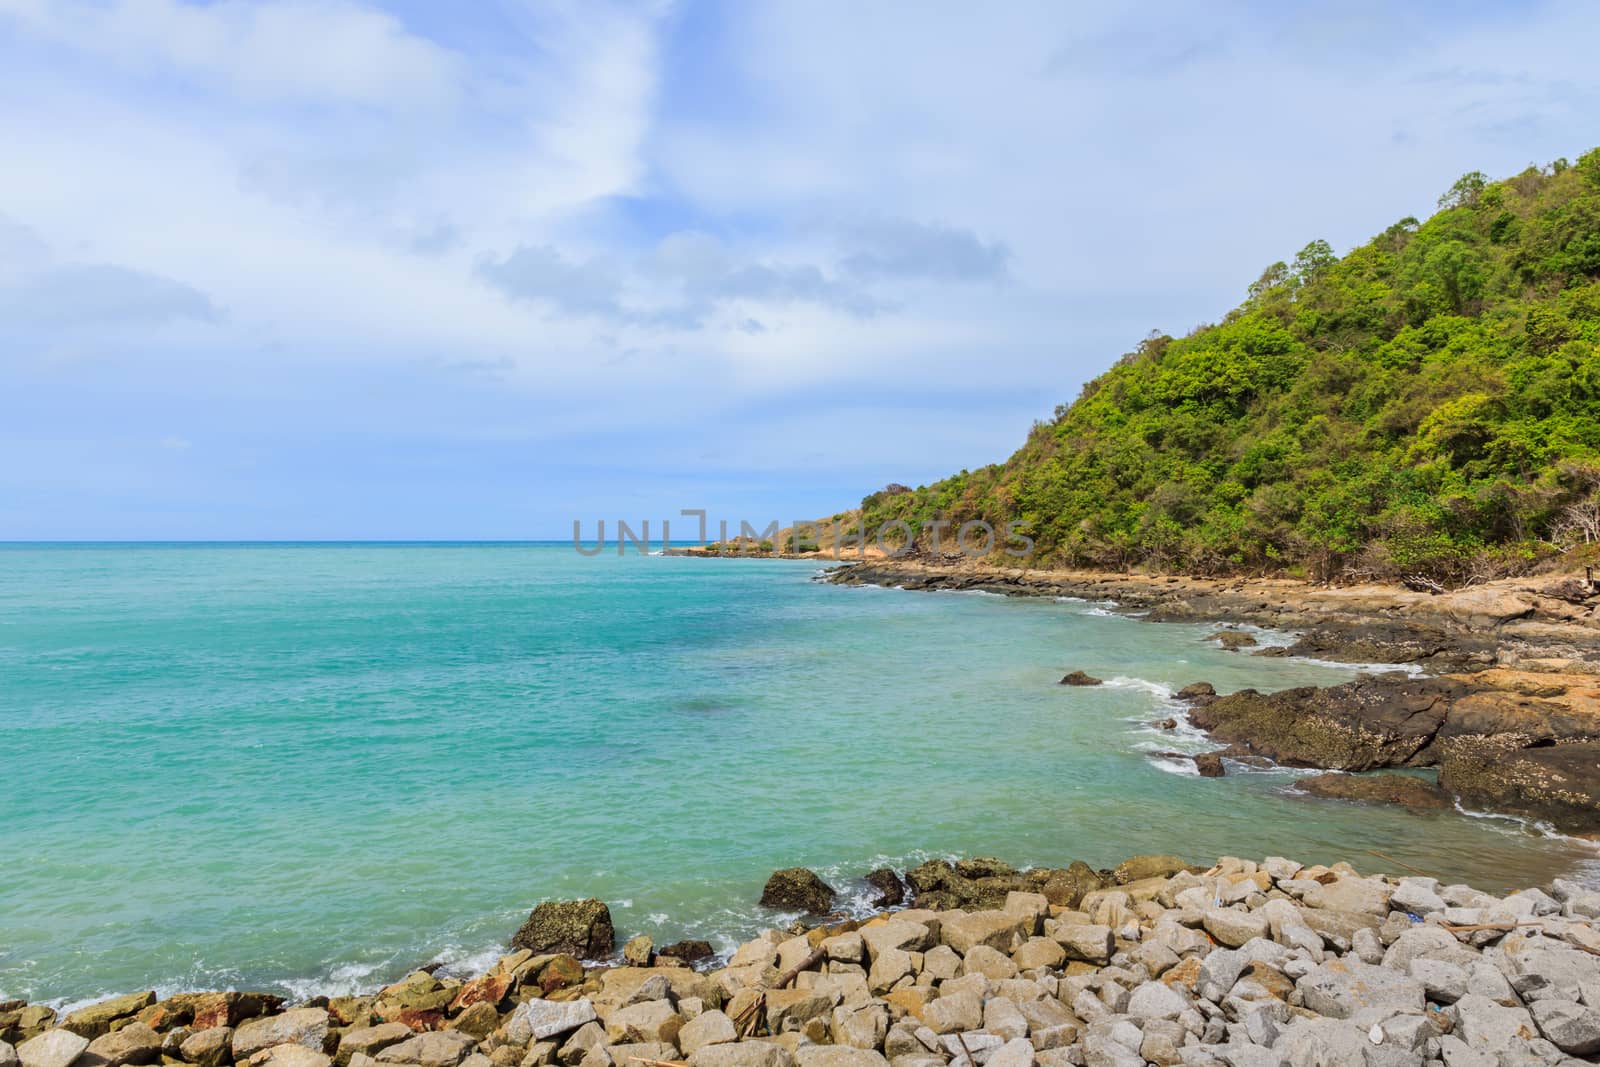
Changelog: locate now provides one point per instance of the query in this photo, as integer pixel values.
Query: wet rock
(891, 890)
(1149, 865)
(1196, 691)
(1209, 764)
(579, 928)
(1357, 726)
(1233, 640)
(1403, 789)
(687, 951)
(639, 951)
(1558, 783)
(1080, 678)
(798, 889)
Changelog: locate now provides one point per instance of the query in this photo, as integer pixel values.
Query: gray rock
(1483, 1024)
(53, 1048)
(1218, 972)
(1233, 928)
(1570, 1027)
(307, 1027)
(1014, 1053)
(578, 1044)
(1156, 1000)
(535, 1020)
(1341, 987)
(1419, 896)
(1442, 981)
(980, 1045)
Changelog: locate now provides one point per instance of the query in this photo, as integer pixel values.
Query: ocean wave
(1143, 685)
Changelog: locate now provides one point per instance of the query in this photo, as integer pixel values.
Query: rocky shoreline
(1242, 963)
(1508, 710)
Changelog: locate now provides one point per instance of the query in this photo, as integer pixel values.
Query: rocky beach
(1495, 686)
(971, 964)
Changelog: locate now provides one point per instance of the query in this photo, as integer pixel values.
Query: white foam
(1143, 685)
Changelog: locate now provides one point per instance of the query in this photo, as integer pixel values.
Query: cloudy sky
(342, 269)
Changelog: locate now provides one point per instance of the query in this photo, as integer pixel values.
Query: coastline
(969, 963)
(1500, 692)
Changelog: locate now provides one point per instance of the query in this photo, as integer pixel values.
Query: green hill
(1427, 405)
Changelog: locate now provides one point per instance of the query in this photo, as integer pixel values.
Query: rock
(743, 1054)
(838, 1056)
(1559, 783)
(1403, 789)
(1232, 640)
(1195, 691)
(1233, 928)
(210, 1047)
(299, 1026)
(1088, 942)
(1572, 1028)
(290, 1056)
(707, 1028)
(1485, 1025)
(1156, 1000)
(1066, 887)
(491, 989)
(580, 928)
(1138, 868)
(1000, 930)
(791, 1009)
(134, 1043)
(1442, 981)
(687, 951)
(1039, 952)
(639, 951)
(53, 1048)
(954, 1013)
(1340, 988)
(442, 1048)
(535, 1020)
(477, 1020)
(1079, 678)
(891, 890)
(8, 1055)
(1360, 895)
(97, 1019)
(651, 1020)
(1360, 725)
(797, 889)
(1209, 764)
(370, 1040)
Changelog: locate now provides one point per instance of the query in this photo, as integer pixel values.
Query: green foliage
(1408, 408)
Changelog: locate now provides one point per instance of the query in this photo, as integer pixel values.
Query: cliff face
(1426, 405)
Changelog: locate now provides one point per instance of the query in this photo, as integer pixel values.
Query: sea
(312, 768)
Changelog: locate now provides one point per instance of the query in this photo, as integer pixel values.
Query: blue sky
(294, 269)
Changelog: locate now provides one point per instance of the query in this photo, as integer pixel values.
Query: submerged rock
(1080, 678)
(1403, 789)
(891, 890)
(578, 927)
(798, 889)
(1559, 783)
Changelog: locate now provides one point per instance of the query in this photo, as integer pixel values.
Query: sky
(336, 269)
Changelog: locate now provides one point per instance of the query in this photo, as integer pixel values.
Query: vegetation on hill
(1427, 406)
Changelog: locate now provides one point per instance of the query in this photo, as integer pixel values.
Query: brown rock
(1557, 783)
(1080, 678)
(1403, 789)
(687, 951)
(891, 891)
(797, 889)
(578, 927)
(1209, 764)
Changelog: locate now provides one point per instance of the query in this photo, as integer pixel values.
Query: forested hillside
(1428, 405)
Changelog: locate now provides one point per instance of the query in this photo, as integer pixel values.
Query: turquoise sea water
(312, 768)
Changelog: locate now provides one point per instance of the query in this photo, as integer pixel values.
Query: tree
(1466, 190)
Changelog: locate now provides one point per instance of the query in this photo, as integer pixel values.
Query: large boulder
(798, 889)
(1558, 783)
(891, 890)
(1403, 789)
(1357, 726)
(134, 1043)
(580, 928)
(1138, 868)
